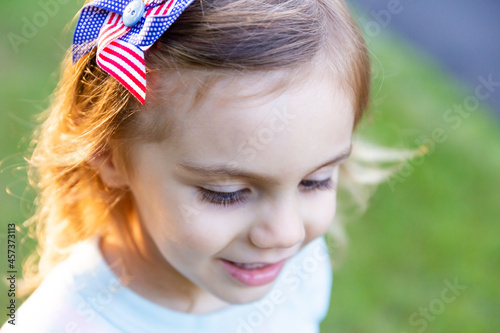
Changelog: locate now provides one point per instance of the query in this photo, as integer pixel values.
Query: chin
(244, 295)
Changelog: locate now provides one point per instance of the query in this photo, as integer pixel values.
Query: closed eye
(310, 185)
(223, 198)
(232, 198)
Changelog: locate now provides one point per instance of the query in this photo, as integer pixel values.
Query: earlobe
(106, 166)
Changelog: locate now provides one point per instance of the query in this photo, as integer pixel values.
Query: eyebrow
(229, 171)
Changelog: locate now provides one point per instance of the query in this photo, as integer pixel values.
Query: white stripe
(115, 19)
(126, 55)
(111, 34)
(134, 49)
(138, 91)
(126, 67)
(105, 30)
(145, 48)
(111, 31)
(165, 5)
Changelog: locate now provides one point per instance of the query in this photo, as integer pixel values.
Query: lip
(254, 277)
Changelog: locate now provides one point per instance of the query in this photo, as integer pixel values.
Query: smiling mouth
(253, 274)
(249, 266)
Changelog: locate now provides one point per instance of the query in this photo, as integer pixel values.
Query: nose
(278, 225)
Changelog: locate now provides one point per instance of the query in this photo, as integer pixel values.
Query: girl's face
(241, 185)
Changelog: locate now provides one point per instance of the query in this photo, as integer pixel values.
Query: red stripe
(131, 52)
(160, 10)
(165, 9)
(125, 84)
(148, 12)
(111, 32)
(110, 18)
(128, 62)
(123, 71)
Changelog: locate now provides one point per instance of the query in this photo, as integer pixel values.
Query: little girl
(188, 167)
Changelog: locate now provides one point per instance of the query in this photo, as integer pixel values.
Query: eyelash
(326, 184)
(222, 198)
(232, 198)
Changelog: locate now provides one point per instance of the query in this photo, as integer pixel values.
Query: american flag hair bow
(122, 30)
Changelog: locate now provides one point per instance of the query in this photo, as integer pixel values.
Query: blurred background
(425, 257)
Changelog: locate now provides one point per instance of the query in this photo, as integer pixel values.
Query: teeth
(249, 266)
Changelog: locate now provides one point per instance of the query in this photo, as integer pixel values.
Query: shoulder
(58, 305)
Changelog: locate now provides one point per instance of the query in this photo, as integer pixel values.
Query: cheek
(180, 225)
(212, 229)
(175, 218)
(322, 214)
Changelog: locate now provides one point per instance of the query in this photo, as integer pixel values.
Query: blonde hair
(90, 108)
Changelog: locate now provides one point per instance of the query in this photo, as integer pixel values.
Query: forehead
(245, 122)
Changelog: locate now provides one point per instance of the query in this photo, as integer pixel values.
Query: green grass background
(440, 223)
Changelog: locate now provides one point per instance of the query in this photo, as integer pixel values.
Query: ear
(105, 165)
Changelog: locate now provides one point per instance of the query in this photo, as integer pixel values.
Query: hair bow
(122, 31)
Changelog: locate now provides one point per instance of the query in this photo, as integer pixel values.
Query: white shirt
(83, 295)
